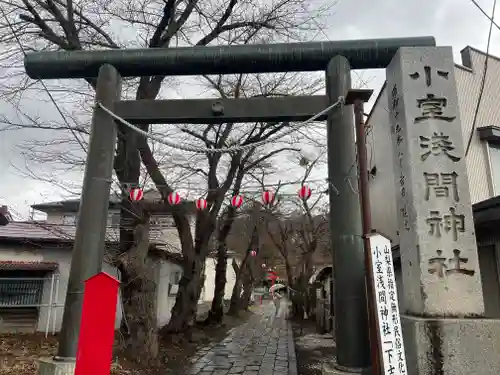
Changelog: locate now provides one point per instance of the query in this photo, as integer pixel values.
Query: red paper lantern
(136, 194)
(201, 204)
(267, 197)
(253, 253)
(174, 198)
(237, 201)
(305, 192)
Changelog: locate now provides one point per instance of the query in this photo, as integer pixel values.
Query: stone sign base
(451, 346)
(47, 366)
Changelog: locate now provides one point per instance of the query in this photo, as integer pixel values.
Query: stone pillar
(351, 318)
(438, 246)
(440, 267)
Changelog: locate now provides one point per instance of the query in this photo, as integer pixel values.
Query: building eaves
(73, 205)
(9, 265)
(42, 232)
(467, 49)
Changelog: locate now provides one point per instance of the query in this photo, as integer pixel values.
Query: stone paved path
(263, 345)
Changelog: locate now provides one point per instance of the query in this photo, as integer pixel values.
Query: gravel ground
(312, 349)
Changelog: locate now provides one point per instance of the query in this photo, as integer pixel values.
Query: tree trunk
(236, 295)
(216, 313)
(307, 273)
(186, 303)
(248, 284)
(139, 323)
(295, 297)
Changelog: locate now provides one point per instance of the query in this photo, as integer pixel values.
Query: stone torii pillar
(443, 305)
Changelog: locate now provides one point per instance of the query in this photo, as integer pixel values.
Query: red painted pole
(97, 329)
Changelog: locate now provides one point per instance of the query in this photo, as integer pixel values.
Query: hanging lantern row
(237, 201)
(174, 198)
(305, 192)
(201, 204)
(267, 197)
(136, 194)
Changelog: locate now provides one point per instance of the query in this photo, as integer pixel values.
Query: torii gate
(337, 58)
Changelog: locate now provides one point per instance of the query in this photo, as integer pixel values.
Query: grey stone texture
(440, 265)
(441, 314)
(451, 346)
(264, 345)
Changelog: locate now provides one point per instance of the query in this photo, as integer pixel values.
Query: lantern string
(202, 150)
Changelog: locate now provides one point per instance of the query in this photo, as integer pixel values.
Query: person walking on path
(277, 301)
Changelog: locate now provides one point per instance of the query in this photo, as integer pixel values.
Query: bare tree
(84, 25)
(244, 241)
(244, 238)
(297, 235)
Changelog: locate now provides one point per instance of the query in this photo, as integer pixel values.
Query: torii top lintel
(257, 58)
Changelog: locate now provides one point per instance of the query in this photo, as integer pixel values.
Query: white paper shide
(386, 298)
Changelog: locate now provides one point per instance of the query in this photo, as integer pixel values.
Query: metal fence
(39, 293)
(21, 292)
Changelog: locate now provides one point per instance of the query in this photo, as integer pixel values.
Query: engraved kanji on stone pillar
(440, 265)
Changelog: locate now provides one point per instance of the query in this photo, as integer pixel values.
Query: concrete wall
(380, 150)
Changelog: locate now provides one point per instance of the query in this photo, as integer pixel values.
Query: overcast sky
(452, 22)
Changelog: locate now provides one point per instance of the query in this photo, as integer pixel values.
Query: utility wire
(483, 79)
(485, 14)
(18, 41)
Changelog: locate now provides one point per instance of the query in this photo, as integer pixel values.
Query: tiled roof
(42, 231)
(36, 231)
(72, 205)
(6, 265)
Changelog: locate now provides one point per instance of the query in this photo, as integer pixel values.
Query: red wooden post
(97, 328)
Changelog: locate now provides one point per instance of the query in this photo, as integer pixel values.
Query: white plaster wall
(58, 217)
(52, 317)
(207, 293)
(382, 185)
(165, 301)
(63, 258)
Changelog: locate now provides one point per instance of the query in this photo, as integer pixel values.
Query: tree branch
(168, 14)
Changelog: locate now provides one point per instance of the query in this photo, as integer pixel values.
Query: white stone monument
(441, 278)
